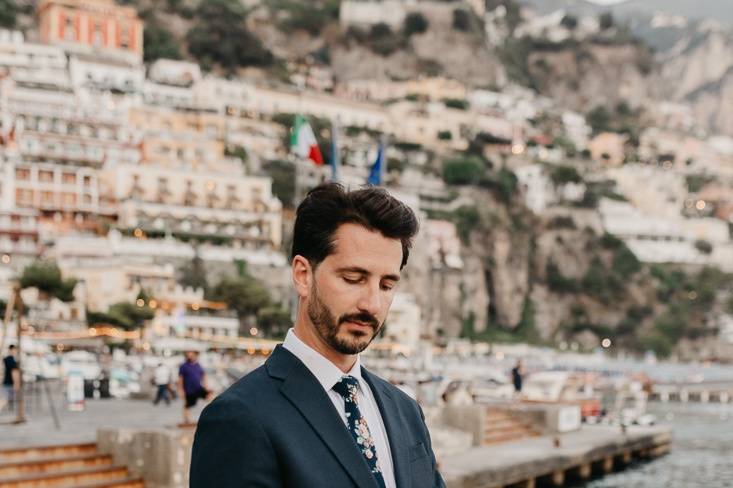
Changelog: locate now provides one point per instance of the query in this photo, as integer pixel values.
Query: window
(97, 39)
(124, 37)
(68, 178)
(45, 176)
(69, 30)
(22, 174)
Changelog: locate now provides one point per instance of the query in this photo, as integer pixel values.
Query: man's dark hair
(329, 205)
(11, 347)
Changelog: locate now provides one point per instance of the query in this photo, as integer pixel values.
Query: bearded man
(312, 416)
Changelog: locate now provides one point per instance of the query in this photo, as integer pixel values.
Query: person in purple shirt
(191, 383)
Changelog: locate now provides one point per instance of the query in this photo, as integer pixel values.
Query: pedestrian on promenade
(191, 383)
(11, 376)
(162, 379)
(312, 415)
(517, 375)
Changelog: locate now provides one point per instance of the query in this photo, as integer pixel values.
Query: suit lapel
(304, 391)
(393, 424)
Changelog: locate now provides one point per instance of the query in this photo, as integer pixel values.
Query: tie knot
(347, 387)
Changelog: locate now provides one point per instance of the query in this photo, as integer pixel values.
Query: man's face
(353, 288)
(191, 356)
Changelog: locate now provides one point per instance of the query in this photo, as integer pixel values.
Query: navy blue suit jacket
(277, 427)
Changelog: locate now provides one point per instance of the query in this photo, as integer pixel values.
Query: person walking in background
(162, 379)
(191, 383)
(517, 374)
(11, 377)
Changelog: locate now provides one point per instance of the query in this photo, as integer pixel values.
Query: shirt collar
(327, 373)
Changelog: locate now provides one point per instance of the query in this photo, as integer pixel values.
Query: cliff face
(582, 76)
(699, 71)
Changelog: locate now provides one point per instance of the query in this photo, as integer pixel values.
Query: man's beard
(328, 327)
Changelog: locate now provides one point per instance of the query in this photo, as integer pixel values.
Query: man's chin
(353, 342)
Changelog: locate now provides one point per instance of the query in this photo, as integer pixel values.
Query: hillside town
(147, 203)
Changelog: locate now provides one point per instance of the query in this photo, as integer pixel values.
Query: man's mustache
(363, 318)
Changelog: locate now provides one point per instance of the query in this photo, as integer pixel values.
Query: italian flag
(303, 141)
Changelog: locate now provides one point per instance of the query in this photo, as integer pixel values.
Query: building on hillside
(173, 72)
(102, 73)
(201, 205)
(607, 148)
(32, 64)
(404, 323)
(65, 197)
(435, 89)
(659, 239)
(365, 13)
(19, 233)
(89, 26)
(49, 314)
(535, 186)
(56, 126)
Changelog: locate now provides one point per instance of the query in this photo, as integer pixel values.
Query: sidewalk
(39, 428)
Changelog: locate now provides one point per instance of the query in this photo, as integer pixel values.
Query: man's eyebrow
(362, 271)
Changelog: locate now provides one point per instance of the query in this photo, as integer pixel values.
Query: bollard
(558, 478)
(608, 464)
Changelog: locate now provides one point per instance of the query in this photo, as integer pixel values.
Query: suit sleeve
(232, 450)
(438, 479)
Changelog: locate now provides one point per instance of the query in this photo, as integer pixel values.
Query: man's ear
(302, 275)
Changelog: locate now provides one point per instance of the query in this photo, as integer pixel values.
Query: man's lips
(360, 324)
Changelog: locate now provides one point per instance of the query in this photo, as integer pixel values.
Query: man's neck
(310, 337)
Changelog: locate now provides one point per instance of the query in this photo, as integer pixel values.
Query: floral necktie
(347, 387)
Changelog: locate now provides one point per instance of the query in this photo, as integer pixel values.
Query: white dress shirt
(328, 374)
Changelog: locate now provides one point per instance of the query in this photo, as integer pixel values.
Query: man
(11, 378)
(191, 384)
(162, 379)
(517, 374)
(312, 416)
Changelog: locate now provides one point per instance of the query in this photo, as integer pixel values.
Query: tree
(159, 43)
(703, 246)
(221, 37)
(244, 294)
(383, 41)
(599, 119)
(193, 274)
(461, 20)
(463, 171)
(46, 276)
(274, 320)
(8, 12)
(457, 103)
(570, 22)
(282, 173)
(605, 20)
(415, 23)
(128, 316)
(562, 175)
(309, 17)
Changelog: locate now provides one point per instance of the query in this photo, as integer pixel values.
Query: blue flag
(375, 174)
(334, 152)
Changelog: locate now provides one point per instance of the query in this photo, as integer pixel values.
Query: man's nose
(370, 300)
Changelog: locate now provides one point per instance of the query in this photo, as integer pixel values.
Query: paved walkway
(82, 426)
(492, 465)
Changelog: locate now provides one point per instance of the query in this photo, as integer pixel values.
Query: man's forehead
(357, 246)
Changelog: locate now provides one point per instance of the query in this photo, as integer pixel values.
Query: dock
(555, 460)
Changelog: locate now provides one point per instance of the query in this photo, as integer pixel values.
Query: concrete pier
(536, 461)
